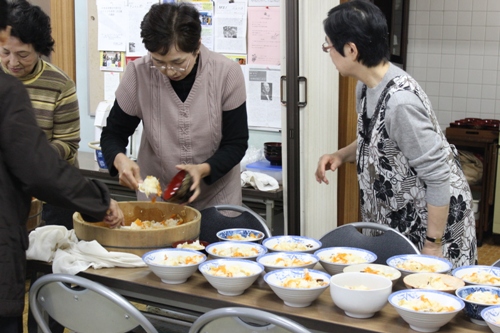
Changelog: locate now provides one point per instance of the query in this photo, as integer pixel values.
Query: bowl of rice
(291, 244)
(389, 272)
(231, 277)
(240, 235)
(239, 250)
(476, 299)
(491, 316)
(419, 263)
(335, 259)
(433, 281)
(297, 287)
(279, 260)
(478, 275)
(425, 310)
(173, 266)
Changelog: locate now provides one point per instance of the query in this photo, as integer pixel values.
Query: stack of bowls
(272, 152)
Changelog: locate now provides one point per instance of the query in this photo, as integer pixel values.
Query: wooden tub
(141, 241)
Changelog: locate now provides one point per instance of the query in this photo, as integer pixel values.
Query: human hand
(327, 162)
(128, 171)
(114, 217)
(432, 249)
(197, 172)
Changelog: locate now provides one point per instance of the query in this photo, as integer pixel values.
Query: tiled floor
(489, 252)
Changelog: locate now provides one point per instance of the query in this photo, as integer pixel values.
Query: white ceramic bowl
(481, 271)
(240, 235)
(422, 321)
(239, 250)
(172, 265)
(473, 309)
(235, 285)
(389, 272)
(346, 290)
(491, 316)
(280, 260)
(296, 297)
(424, 264)
(328, 255)
(433, 281)
(291, 244)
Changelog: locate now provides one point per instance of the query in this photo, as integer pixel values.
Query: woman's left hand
(197, 172)
(432, 249)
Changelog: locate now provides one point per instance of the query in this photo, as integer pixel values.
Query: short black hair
(362, 23)
(32, 26)
(4, 14)
(171, 24)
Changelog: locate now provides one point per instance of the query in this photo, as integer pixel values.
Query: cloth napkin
(60, 246)
(259, 181)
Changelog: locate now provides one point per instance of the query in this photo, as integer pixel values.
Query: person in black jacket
(30, 167)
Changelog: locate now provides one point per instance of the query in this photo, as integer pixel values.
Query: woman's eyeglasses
(326, 47)
(164, 68)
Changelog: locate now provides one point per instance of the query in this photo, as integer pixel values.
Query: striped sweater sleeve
(54, 99)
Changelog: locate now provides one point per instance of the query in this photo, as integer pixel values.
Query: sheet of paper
(264, 36)
(260, 3)
(111, 82)
(111, 21)
(263, 96)
(135, 12)
(206, 9)
(230, 24)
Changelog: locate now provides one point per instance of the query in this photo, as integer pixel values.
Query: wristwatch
(438, 240)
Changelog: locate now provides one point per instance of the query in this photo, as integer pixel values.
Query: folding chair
(212, 221)
(244, 320)
(84, 306)
(387, 243)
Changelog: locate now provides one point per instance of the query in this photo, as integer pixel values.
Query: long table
(197, 296)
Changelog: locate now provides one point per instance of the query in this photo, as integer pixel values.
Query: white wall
(454, 53)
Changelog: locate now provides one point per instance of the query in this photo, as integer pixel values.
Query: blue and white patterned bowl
(331, 267)
(296, 297)
(491, 316)
(426, 321)
(240, 235)
(238, 250)
(291, 244)
(464, 271)
(442, 265)
(231, 285)
(280, 260)
(173, 274)
(473, 309)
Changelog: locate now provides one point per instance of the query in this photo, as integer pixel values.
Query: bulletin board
(263, 112)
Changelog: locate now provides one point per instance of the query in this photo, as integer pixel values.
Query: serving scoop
(178, 190)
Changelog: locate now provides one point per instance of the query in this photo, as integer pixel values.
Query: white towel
(60, 246)
(259, 180)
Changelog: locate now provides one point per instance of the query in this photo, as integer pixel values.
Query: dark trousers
(11, 324)
(54, 215)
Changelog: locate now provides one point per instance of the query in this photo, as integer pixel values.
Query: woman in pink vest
(191, 102)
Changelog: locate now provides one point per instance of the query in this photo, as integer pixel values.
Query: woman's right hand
(129, 171)
(327, 162)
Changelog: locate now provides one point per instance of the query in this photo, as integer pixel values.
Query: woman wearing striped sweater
(52, 92)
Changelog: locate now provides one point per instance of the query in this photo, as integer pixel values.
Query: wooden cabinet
(485, 143)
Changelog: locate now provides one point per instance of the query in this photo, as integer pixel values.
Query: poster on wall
(135, 14)
(263, 96)
(264, 36)
(111, 18)
(230, 27)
